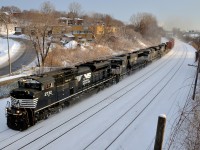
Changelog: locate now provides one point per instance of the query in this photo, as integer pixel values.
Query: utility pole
(9, 60)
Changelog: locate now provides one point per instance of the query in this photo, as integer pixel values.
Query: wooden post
(196, 79)
(160, 132)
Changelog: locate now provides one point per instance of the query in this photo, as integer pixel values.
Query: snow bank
(164, 40)
(71, 45)
(12, 77)
(22, 36)
(13, 46)
(3, 103)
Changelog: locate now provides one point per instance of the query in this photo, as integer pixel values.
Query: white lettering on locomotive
(79, 78)
(48, 93)
(86, 81)
(15, 102)
(86, 78)
(87, 75)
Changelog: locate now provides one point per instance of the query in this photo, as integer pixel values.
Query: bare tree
(10, 9)
(145, 24)
(4, 20)
(74, 10)
(185, 133)
(38, 30)
(47, 8)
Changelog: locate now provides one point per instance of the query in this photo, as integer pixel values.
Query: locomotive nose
(18, 115)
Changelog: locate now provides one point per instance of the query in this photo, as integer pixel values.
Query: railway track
(24, 136)
(93, 107)
(144, 108)
(139, 112)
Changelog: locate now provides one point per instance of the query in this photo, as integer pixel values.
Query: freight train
(39, 96)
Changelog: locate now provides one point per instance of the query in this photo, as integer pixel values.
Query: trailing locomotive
(39, 96)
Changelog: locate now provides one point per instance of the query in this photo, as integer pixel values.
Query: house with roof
(66, 38)
(82, 33)
(70, 21)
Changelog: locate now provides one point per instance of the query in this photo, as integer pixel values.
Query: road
(24, 57)
(123, 116)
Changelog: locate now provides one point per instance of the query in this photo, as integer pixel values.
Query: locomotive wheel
(23, 124)
(9, 123)
(60, 109)
(46, 116)
(67, 103)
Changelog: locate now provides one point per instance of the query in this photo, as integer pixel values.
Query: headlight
(7, 109)
(17, 111)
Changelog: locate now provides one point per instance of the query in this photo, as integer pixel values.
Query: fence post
(196, 78)
(160, 132)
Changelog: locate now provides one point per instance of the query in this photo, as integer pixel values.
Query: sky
(183, 14)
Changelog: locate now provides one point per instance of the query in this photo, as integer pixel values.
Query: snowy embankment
(16, 51)
(123, 116)
(13, 47)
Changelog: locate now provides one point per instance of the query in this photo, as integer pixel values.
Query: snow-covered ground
(123, 116)
(14, 48)
(71, 45)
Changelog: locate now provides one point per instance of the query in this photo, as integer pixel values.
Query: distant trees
(146, 24)
(107, 24)
(195, 42)
(47, 8)
(177, 32)
(74, 10)
(10, 9)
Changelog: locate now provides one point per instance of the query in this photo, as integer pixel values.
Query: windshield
(29, 83)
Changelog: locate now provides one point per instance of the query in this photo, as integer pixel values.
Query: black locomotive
(38, 96)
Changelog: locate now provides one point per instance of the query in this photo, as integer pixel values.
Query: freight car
(39, 96)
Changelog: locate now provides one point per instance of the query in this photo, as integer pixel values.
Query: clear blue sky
(184, 14)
